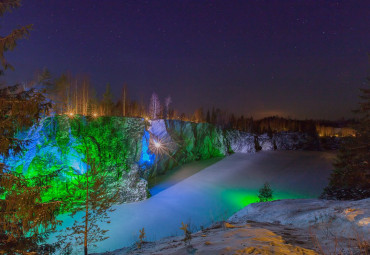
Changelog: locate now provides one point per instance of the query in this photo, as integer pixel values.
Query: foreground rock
(225, 238)
(301, 226)
(339, 227)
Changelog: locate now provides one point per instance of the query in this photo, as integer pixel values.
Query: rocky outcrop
(184, 142)
(133, 188)
(291, 226)
(60, 143)
(248, 143)
(283, 141)
(266, 143)
(241, 142)
(327, 221)
(295, 141)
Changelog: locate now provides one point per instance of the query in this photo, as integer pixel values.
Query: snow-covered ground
(294, 226)
(337, 227)
(217, 192)
(176, 175)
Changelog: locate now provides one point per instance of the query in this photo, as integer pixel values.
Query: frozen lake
(217, 192)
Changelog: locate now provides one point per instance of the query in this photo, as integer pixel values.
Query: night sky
(303, 59)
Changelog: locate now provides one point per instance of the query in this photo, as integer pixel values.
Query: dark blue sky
(302, 59)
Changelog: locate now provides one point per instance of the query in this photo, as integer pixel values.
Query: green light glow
(59, 146)
(239, 198)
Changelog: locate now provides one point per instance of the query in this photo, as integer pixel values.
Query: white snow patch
(334, 224)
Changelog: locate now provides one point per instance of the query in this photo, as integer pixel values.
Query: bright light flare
(157, 144)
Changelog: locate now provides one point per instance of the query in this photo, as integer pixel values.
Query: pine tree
(107, 101)
(124, 100)
(9, 42)
(208, 118)
(45, 80)
(25, 218)
(265, 193)
(213, 116)
(96, 200)
(198, 115)
(350, 178)
(61, 95)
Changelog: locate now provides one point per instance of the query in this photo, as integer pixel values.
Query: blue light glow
(147, 159)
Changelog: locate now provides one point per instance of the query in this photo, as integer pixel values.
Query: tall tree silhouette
(25, 220)
(350, 178)
(154, 106)
(107, 101)
(96, 200)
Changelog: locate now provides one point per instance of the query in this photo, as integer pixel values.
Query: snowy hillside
(298, 226)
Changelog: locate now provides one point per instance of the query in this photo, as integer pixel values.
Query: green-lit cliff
(130, 150)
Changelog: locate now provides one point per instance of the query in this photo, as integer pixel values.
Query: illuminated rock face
(185, 142)
(241, 141)
(133, 188)
(59, 144)
(122, 148)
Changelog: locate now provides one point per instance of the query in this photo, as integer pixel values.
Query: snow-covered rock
(229, 239)
(295, 141)
(239, 141)
(266, 143)
(133, 188)
(294, 226)
(328, 221)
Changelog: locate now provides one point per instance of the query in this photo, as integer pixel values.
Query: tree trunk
(86, 212)
(124, 101)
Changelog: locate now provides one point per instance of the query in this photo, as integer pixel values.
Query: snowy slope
(294, 226)
(337, 226)
(217, 192)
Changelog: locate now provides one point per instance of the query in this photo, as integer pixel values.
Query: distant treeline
(75, 95)
(276, 124)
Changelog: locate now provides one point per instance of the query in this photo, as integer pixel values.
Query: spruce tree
(208, 118)
(265, 193)
(9, 42)
(95, 201)
(350, 178)
(25, 218)
(107, 101)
